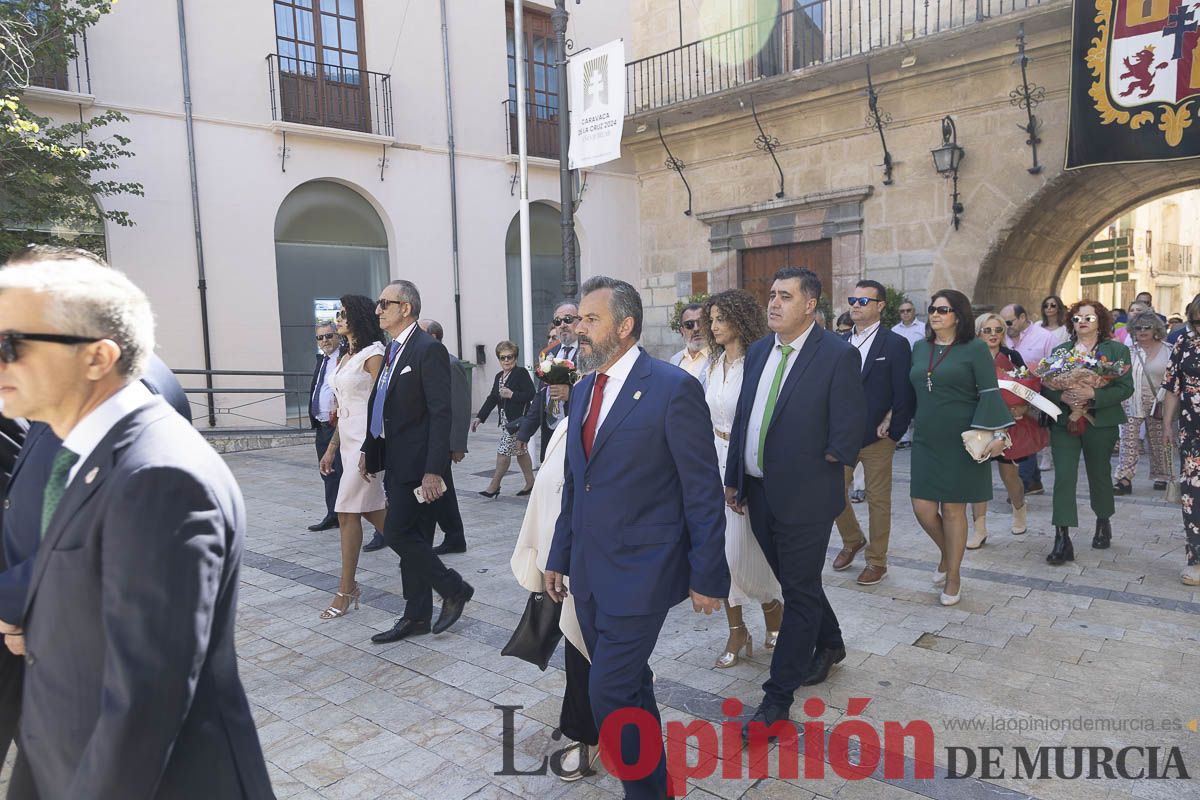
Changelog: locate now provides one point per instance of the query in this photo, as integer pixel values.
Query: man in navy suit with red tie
(642, 524)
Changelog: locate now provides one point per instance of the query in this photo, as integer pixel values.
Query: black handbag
(537, 633)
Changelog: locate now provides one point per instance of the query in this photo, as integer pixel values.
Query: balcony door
(321, 55)
(541, 84)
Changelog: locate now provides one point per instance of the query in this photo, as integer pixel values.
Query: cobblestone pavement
(1113, 636)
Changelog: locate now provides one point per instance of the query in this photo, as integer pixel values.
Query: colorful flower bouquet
(1070, 369)
(557, 372)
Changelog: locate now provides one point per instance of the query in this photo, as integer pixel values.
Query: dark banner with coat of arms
(1135, 81)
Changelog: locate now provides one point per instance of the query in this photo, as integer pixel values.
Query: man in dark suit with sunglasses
(320, 403)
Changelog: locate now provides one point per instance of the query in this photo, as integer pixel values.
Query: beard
(601, 352)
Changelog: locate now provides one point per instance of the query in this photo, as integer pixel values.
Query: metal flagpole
(523, 159)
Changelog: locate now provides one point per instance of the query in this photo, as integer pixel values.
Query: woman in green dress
(955, 383)
(1090, 327)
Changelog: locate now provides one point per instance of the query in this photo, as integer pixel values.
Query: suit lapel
(756, 361)
(91, 476)
(873, 352)
(803, 359)
(625, 401)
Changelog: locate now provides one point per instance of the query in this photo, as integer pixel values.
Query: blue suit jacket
(821, 411)
(643, 520)
(885, 381)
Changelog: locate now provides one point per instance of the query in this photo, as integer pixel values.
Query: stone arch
(330, 240)
(545, 234)
(1032, 255)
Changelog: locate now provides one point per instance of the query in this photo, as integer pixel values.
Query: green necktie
(772, 396)
(64, 459)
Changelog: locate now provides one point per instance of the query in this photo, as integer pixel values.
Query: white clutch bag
(977, 441)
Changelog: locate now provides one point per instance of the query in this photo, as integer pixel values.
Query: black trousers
(796, 553)
(12, 679)
(408, 530)
(449, 518)
(576, 720)
(331, 481)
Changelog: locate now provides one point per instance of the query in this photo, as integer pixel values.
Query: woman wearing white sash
(528, 563)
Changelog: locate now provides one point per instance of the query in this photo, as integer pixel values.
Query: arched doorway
(329, 241)
(1032, 255)
(545, 244)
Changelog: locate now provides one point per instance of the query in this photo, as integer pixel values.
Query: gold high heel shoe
(730, 657)
(773, 616)
(333, 612)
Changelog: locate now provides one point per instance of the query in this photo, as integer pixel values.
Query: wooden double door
(758, 265)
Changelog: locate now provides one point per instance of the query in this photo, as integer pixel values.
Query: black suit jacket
(416, 413)
(312, 387)
(885, 380)
(514, 407)
(821, 411)
(159, 379)
(131, 684)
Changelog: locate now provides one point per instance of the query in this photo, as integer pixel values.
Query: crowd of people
(718, 476)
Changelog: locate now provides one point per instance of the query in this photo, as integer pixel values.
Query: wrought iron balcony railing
(330, 96)
(73, 75)
(816, 32)
(541, 129)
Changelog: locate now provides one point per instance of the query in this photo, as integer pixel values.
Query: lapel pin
(637, 395)
(91, 476)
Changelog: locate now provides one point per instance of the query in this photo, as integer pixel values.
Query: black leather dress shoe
(328, 523)
(403, 629)
(766, 716)
(452, 608)
(445, 549)
(823, 661)
(376, 543)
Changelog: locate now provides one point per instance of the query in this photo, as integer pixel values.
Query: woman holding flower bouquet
(1087, 376)
(991, 330)
(512, 391)
(955, 383)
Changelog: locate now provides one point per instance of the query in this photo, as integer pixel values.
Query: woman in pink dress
(358, 497)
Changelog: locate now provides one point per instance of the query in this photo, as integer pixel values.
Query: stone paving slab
(1112, 639)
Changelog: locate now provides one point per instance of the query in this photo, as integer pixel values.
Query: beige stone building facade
(1020, 231)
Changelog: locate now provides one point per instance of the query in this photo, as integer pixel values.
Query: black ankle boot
(1063, 549)
(1103, 535)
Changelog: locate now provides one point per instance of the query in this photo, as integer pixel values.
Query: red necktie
(593, 418)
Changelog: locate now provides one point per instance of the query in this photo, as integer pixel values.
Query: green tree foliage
(683, 303)
(53, 175)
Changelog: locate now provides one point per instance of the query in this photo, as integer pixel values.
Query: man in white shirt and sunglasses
(693, 358)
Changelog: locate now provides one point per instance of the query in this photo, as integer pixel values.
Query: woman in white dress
(358, 497)
(733, 320)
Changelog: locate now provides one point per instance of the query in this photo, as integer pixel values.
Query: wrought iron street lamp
(946, 160)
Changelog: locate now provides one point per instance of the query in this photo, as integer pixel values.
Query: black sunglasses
(690, 325)
(1050, 305)
(941, 310)
(384, 304)
(908, 311)
(507, 357)
(325, 337)
(861, 302)
(567, 320)
(1143, 327)
(9, 340)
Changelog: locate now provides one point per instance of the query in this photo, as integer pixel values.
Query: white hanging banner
(597, 96)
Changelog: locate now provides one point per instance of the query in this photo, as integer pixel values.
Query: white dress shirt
(862, 342)
(324, 394)
(91, 430)
(617, 374)
(764, 389)
(914, 333)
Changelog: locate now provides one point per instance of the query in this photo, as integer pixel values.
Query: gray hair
(626, 302)
(1158, 327)
(434, 328)
(409, 294)
(86, 298)
(567, 302)
(327, 324)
